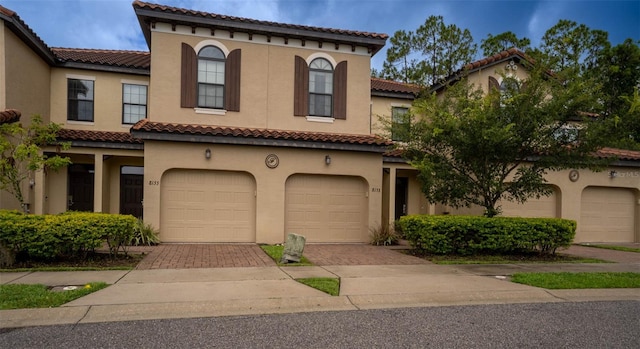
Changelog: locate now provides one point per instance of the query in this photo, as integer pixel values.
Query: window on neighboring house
(320, 87)
(80, 100)
(211, 64)
(134, 103)
(209, 80)
(400, 124)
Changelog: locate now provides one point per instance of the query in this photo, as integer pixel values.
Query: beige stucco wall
(381, 112)
(24, 85)
(270, 183)
(107, 113)
(267, 82)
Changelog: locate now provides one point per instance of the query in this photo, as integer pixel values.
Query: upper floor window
(134, 103)
(400, 123)
(211, 64)
(320, 87)
(80, 100)
(210, 82)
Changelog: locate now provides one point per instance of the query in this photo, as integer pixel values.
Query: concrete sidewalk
(186, 293)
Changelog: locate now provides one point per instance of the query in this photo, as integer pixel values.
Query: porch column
(39, 191)
(98, 181)
(392, 195)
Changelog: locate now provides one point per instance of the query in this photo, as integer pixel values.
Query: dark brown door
(131, 194)
(80, 193)
(402, 188)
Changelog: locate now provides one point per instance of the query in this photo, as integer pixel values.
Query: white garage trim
(607, 215)
(327, 208)
(207, 206)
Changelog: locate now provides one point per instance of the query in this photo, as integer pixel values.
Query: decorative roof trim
(148, 12)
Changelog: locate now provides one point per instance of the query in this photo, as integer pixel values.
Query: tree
(476, 148)
(435, 50)
(502, 42)
(21, 154)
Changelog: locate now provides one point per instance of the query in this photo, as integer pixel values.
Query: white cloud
(544, 17)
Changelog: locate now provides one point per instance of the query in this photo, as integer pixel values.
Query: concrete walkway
(206, 292)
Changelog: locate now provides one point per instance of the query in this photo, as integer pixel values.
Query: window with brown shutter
(301, 88)
(340, 91)
(232, 81)
(493, 83)
(189, 77)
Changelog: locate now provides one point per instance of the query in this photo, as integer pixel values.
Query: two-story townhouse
(605, 204)
(237, 130)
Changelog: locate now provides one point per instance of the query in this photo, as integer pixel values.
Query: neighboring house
(237, 130)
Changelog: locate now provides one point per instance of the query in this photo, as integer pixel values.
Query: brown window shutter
(301, 88)
(189, 78)
(340, 91)
(493, 84)
(232, 81)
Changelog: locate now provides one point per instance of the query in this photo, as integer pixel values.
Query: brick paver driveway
(181, 256)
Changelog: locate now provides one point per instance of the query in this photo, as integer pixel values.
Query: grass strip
(19, 296)
(614, 247)
(275, 252)
(327, 285)
(16, 270)
(566, 280)
(507, 259)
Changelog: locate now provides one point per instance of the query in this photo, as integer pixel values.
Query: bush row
(467, 235)
(70, 234)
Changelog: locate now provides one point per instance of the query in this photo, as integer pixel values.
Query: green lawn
(510, 259)
(275, 252)
(326, 285)
(18, 296)
(567, 280)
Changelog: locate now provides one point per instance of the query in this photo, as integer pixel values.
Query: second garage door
(606, 215)
(327, 208)
(207, 206)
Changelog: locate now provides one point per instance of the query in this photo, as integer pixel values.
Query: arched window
(320, 87)
(211, 78)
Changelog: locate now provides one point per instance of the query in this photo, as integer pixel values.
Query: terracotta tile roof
(512, 52)
(393, 86)
(9, 115)
(96, 136)
(208, 130)
(116, 58)
(247, 24)
(394, 153)
(620, 154)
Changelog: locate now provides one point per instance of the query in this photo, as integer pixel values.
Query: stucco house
(237, 130)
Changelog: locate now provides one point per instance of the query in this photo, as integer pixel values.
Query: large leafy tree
(477, 148)
(493, 44)
(21, 153)
(428, 55)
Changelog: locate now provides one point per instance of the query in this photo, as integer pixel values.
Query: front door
(402, 188)
(80, 188)
(131, 179)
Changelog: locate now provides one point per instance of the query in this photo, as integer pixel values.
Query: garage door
(606, 215)
(207, 206)
(327, 208)
(546, 207)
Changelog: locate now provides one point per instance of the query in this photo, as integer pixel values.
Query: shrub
(144, 234)
(468, 235)
(383, 235)
(70, 234)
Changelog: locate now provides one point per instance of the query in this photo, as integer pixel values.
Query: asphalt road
(547, 325)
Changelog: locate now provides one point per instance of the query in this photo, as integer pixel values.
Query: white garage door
(546, 207)
(606, 215)
(327, 208)
(207, 206)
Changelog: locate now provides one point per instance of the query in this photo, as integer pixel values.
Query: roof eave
(145, 16)
(105, 68)
(26, 35)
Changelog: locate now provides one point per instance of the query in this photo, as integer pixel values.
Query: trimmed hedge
(468, 235)
(70, 234)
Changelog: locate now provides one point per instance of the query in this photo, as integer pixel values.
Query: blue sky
(111, 24)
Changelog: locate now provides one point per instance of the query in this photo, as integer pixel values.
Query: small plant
(383, 235)
(144, 234)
